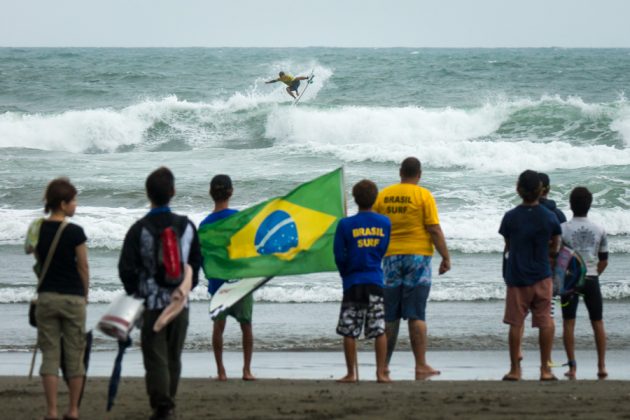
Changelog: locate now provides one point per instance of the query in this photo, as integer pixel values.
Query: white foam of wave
(621, 124)
(16, 294)
(106, 227)
(105, 130)
(616, 221)
(78, 131)
(482, 234)
(443, 137)
(302, 294)
(468, 293)
(97, 294)
(320, 294)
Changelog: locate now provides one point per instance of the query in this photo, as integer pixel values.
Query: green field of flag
(285, 235)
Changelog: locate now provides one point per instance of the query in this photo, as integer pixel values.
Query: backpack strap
(145, 223)
(180, 223)
(51, 251)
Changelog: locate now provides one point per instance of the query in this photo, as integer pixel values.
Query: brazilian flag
(293, 234)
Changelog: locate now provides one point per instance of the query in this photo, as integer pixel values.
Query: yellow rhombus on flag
(302, 228)
(293, 234)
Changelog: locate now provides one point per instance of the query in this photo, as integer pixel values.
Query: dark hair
(58, 191)
(410, 167)
(281, 73)
(544, 179)
(529, 186)
(221, 188)
(365, 193)
(160, 186)
(580, 200)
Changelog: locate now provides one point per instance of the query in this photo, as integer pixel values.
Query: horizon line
(321, 46)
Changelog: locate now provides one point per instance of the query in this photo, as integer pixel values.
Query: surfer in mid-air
(293, 83)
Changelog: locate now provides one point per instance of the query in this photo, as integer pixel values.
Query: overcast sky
(297, 23)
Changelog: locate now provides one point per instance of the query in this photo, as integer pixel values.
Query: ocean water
(475, 118)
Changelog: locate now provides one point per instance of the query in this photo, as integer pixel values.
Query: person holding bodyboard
(221, 191)
(589, 240)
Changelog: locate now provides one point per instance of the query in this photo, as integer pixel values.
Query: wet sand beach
(317, 399)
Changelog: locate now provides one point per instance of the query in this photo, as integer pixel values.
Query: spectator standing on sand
(221, 191)
(62, 296)
(589, 240)
(416, 232)
(360, 244)
(532, 237)
(139, 272)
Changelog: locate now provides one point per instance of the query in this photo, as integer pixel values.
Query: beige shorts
(519, 301)
(61, 318)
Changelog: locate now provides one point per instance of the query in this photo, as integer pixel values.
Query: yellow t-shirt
(410, 208)
(287, 79)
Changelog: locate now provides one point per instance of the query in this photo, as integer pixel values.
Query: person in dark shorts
(293, 83)
(589, 240)
(360, 244)
(532, 237)
(139, 273)
(221, 191)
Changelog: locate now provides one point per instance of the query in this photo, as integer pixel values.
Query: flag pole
(356, 361)
(343, 188)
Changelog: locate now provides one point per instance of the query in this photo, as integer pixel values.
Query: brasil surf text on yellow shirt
(410, 208)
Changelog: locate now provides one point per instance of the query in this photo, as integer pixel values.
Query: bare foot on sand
(221, 376)
(247, 376)
(383, 378)
(348, 379)
(602, 373)
(513, 375)
(547, 375)
(424, 372)
(572, 369)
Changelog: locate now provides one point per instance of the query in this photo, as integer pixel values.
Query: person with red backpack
(151, 266)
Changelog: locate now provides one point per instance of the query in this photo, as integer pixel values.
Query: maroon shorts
(519, 301)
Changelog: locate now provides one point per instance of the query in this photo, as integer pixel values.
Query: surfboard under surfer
(293, 83)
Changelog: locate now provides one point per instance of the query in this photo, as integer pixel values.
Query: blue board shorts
(295, 85)
(407, 286)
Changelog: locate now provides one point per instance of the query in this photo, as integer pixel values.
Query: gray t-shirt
(587, 238)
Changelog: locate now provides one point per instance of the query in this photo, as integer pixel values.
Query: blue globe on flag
(276, 234)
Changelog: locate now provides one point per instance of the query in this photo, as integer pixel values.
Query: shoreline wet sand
(317, 399)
